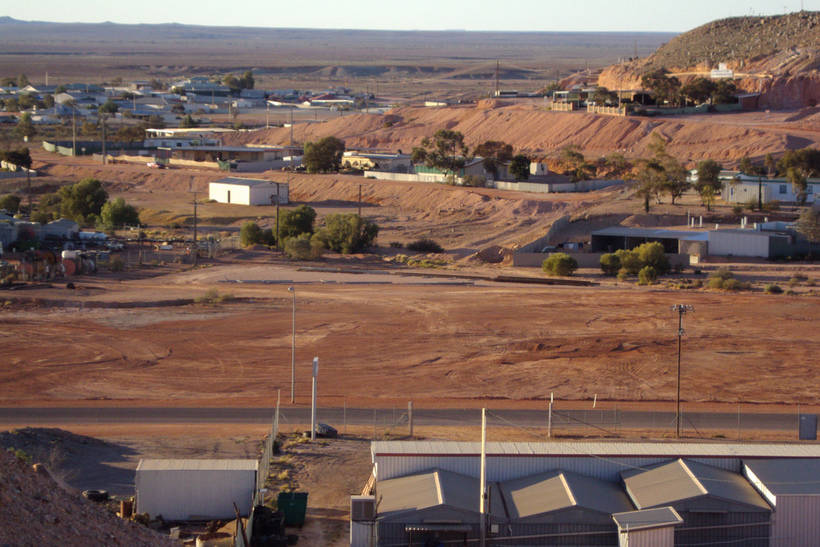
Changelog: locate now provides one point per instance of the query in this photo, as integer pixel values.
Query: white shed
(749, 243)
(647, 528)
(195, 489)
(248, 191)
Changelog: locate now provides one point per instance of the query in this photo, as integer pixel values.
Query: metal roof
(653, 233)
(557, 490)
(431, 489)
(681, 480)
(197, 465)
(238, 181)
(785, 477)
(596, 449)
(647, 518)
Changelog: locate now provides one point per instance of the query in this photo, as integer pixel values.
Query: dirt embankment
(537, 131)
(36, 511)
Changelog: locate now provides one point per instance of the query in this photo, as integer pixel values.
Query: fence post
(410, 416)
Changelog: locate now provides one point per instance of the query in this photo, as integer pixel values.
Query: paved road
(606, 420)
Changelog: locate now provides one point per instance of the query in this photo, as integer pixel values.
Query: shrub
(10, 203)
(116, 264)
(751, 204)
(630, 261)
(560, 264)
(610, 264)
(773, 289)
(294, 222)
(474, 180)
(651, 254)
(722, 274)
(623, 274)
(346, 233)
(303, 247)
(647, 275)
(397, 244)
(771, 205)
(212, 296)
(732, 285)
(250, 234)
(118, 213)
(737, 209)
(425, 245)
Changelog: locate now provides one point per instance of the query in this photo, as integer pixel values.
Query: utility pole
(291, 128)
(313, 399)
(759, 192)
(681, 309)
(483, 480)
(195, 246)
(103, 138)
(360, 201)
(276, 235)
(497, 71)
(292, 290)
(73, 131)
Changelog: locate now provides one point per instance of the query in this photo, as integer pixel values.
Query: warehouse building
(792, 487)
(613, 238)
(587, 493)
(559, 505)
(715, 504)
(244, 191)
(195, 489)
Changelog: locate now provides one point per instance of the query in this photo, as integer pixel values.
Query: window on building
(782, 188)
(810, 189)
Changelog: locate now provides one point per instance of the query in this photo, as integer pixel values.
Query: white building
(195, 489)
(248, 191)
(745, 188)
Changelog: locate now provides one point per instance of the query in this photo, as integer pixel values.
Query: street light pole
(293, 347)
(681, 309)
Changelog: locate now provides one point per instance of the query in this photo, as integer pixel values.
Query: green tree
(10, 203)
(250, 234)
(247, 81)
(770, 164)
(650, 181)
(82, 202)
(575, 164)
(25, 127)
(109, 107)
(629, 260)
(699, 90)
(647, 275)
(617, 165)
(652, 254)
(117, 213)
(610, 263)
(808, 225)
(22, 81)
(724, 93)
(806, 159)
(303, 247)
(799, 182)
(664, 87)
(560, 264)
(48, 101)
(323, 156)
(603, 96)
(520, 167)
(11, 104)
(446, 151)
(233, 83)
(493, 153)
(293, 222)
(346, 233)
(708, 174)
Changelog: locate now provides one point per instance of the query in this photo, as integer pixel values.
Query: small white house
(195, 489)
(244, 191)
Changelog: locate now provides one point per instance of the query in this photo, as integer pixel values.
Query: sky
(507, 15)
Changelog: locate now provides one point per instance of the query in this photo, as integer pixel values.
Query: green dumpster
(293, 505)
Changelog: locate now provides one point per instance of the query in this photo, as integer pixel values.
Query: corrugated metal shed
(793, 488)
(532, 496)
(195, 489)
(682, 480)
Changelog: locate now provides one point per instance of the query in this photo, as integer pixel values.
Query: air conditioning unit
(362, 508)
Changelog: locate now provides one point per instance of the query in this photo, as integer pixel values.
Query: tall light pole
(681, 309)
(293, 347)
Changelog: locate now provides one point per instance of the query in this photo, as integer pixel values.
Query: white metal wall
(362, 534)
(738, 244)
(238, 194)
(181, 495)
(796, 521)
(654, 537)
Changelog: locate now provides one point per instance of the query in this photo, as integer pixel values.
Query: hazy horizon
(425, 15)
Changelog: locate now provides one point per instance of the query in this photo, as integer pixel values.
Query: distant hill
(777, 56)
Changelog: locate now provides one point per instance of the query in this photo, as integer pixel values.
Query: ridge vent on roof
(693, 477)
(568, 489)
(439, 490)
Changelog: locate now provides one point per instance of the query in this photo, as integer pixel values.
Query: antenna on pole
(681, 309)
